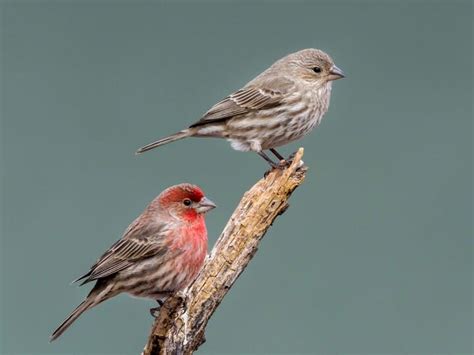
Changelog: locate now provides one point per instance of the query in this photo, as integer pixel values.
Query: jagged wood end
(177, 331)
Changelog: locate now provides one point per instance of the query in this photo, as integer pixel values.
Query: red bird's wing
(250, 98)
(137, 243)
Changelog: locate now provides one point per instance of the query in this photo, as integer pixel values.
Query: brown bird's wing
(138, 242)
(256, 95)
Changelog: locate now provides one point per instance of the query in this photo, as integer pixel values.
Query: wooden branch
(181, 332)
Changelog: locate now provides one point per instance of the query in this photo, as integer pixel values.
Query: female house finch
(161, 252)
(282, 104)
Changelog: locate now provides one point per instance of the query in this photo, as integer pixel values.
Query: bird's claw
(281, 165)
(284, 164)
(155, 311)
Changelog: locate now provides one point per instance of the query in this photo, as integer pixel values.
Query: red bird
(161, 252)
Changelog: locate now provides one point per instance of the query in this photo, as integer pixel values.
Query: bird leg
(278, 155)
(283, 163)
(267, 158)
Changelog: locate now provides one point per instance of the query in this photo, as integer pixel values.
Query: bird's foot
(155, 311)
(183, 298)
(281, 165)
(284, 164)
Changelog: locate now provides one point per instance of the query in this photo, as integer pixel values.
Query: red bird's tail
(174, 137)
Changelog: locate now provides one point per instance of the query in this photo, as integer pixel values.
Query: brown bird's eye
(187, 202)
(317, 69)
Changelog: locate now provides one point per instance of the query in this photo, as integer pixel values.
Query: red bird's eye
(187, 202)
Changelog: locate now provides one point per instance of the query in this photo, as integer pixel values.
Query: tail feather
(84, 306)
(174, 137)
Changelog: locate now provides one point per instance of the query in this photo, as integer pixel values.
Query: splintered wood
(177, 331)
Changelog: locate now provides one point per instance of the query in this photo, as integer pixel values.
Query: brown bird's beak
(335, 73)
(205, 205)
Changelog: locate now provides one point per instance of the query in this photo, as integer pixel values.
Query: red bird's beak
(205, 205)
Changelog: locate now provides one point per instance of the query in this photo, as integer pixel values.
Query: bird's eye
(317, 69)
(187, 202)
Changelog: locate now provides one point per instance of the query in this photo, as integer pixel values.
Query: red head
(185, 201)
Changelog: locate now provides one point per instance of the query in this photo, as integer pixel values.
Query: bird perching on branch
(160, 253)
(281, 105)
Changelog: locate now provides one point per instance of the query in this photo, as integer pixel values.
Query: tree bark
(180, 326)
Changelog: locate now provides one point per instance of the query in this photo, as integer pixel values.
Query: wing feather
(254, 96)
(138, 242)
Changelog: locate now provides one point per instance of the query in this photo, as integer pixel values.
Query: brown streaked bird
(281, 105)
(161, 252)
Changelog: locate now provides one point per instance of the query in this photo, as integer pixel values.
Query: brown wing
(138, 242)
(255, 96)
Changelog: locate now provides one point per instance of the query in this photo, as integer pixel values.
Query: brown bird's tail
(174, 137)
(84, 306)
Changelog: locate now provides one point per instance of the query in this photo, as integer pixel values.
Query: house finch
(161, 252)
(280, 105)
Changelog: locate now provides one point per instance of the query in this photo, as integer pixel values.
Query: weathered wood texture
(179, 332)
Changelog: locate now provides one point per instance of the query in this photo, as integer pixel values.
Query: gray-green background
(375, 253)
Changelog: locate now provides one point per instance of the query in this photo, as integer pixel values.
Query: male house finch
(161, 252)
(282, 104)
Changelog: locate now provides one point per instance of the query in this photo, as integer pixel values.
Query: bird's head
(184, 201)
(311, 65)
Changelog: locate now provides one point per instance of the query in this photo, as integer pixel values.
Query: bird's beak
(205, 205)
(335, 73)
